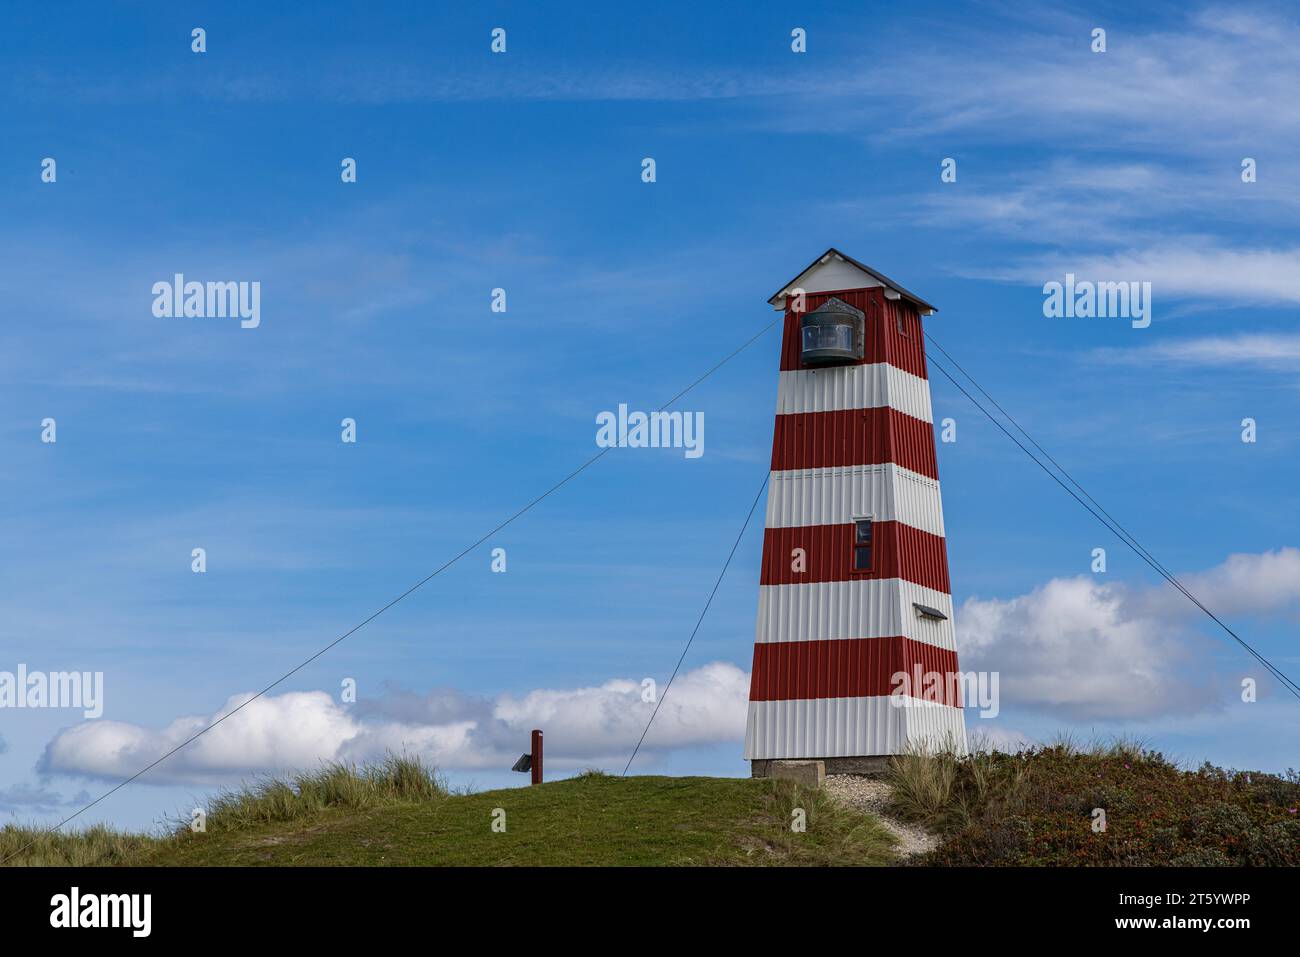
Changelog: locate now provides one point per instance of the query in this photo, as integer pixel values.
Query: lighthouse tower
(854, 585)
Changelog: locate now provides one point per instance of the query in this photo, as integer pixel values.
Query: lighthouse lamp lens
(838, 338)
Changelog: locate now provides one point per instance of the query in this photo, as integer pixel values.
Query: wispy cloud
(24, 798)
(1273, 351)
(377, 82)
(1223, 69)
(1103, 160)
(1195, 268)
(1102, 204)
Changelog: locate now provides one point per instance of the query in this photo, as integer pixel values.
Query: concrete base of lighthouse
(813, 771)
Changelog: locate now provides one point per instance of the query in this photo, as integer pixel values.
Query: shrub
(1037, 807)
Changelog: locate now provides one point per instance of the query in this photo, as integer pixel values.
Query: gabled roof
(834, 254)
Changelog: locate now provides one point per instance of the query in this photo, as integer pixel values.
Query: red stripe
(884, 343)
(897, 551)
(814, 440)
(850, 668)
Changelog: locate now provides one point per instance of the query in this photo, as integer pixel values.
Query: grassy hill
(344, 816)
(1038, 807)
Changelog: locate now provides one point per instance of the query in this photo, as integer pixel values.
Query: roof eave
(878, 276)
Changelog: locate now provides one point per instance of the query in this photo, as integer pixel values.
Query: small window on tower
(902, 326)
(862, 545)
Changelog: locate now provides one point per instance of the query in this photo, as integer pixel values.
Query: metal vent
(925, 611)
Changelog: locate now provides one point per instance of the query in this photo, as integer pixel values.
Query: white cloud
(274, 733)
(1249, 584)
(1278, 351)
(1077, 648)
(703, 706)
(1084, 649)
(1180, 270)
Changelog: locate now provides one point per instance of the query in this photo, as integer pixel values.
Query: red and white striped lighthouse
(854, 585)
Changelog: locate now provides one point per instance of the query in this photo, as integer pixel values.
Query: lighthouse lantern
(833, 333)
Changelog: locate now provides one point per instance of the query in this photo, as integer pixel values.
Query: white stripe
(873, 386)
(835, 496)
(867, 608)
(849, 727)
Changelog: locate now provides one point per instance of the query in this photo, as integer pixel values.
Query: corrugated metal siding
(850, 668)
(897, 551)
(864, 608)
(852, 441)
(853, 437)
(848, 727)
(888, 493)
(883, 343)
(853, 387)
(907, 349)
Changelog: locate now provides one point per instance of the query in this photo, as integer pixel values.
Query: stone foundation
(797, 768)
(809, 773)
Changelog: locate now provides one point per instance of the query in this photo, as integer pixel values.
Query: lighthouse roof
(833, 271)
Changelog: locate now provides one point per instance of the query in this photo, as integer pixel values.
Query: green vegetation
(399, 814)
(397, 781)
(1037, 808)
(91, 847)
(1031, 808)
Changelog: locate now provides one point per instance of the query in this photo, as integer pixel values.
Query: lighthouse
(855, 655)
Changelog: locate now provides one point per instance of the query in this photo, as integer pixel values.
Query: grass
(91, 847)
(1036, 807)
(396, 781)
(1039, 806)
(399, 814)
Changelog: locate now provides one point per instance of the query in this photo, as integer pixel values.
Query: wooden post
(537, 756)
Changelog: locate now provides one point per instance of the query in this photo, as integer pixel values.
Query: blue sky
(522, 171)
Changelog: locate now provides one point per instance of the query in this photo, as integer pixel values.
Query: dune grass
(398, 779)
(89, 847)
